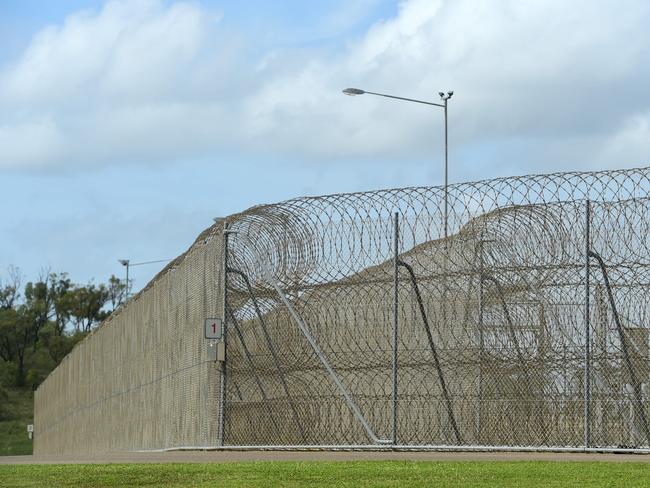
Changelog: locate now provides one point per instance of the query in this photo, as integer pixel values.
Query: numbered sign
(213, 328)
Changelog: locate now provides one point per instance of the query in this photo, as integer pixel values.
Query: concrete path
(252, 456)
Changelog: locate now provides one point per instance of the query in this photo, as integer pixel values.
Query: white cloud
(632, 140)
(133, 49)
(134, 81)
(540, 72)
(141, 80)
(30, 143)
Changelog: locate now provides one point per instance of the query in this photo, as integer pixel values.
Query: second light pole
(128, 264)
(445, 101)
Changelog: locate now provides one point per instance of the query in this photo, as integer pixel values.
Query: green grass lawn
(332, 474)
(13, 430)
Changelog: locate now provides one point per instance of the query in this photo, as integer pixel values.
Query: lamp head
(445, 96)
(353, 91)
(124, 262)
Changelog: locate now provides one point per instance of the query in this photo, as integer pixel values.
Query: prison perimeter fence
(508, 313)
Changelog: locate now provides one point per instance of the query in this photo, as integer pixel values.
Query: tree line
(41, 321)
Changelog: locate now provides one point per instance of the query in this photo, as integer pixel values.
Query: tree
(86, 304)
(58, 345)
(17, 333)
(5, 414)
(116, 291)
(9, 334)
(58, 289)
(10, 292)
(39, 326)
(8, 321)
(37, 307)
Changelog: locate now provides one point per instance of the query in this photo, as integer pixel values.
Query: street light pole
(125, 263)
(445, 99)
(444, 105)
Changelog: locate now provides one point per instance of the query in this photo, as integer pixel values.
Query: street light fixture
(128, 264)
(353, 91)
(445, 100)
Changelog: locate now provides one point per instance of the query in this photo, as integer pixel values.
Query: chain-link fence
(353, 319)
(517, 318)
(143, 379)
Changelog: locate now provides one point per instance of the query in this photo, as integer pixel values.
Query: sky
(127, 125)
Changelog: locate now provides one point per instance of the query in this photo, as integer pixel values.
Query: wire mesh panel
(492, 317)
(142, 380)
(519, 318)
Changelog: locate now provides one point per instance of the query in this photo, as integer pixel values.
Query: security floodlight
(446, 96)
(353, 91)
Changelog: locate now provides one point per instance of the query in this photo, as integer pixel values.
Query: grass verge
(13, 429)
(332, 474)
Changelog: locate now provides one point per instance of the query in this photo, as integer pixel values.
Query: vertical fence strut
(249, 358)
(434, 352)
(587, 373)
(636, 387)
(274, 354)
(481, 340)
(395, 319)
(314, 345)
(222, 376)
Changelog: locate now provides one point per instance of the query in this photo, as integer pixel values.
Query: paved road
(244, 456)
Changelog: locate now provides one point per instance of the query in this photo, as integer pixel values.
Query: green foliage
(18, 412)
(86, 304)
(14, 440)
(333, 474)
(5, 412)
(58, 345)
(18, 331)
(38, 328)
(116, 291)
(7, 373)
(41, 326)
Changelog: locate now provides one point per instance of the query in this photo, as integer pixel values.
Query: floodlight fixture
(353, 91)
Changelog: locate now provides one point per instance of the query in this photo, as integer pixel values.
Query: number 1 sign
(213, 328)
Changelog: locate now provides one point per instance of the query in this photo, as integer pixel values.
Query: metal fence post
(587, 372)
(222, 383)
(395, 318)
(481, 341)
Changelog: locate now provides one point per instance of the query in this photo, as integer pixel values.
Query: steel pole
(587, 352)
(395, 319)
(481, 340)
(127, 281)
(222, 369)
(446, 217)
(446, 221)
